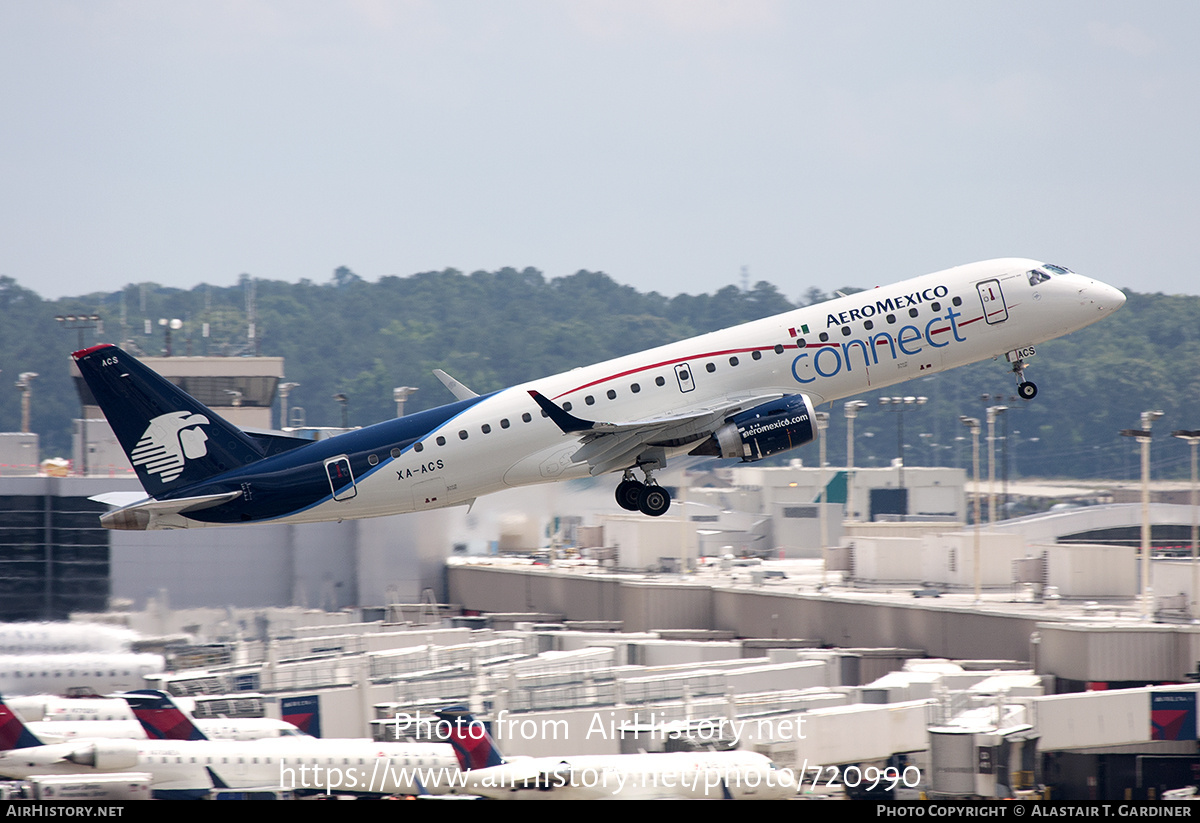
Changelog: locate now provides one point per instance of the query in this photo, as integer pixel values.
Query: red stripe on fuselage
(718, 354)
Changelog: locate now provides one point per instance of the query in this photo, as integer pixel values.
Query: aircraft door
(683, 373)
(341, 479)
(994, 308)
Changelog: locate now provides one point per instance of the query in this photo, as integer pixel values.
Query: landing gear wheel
(654, 501)
(629, 492)
(1027, 390)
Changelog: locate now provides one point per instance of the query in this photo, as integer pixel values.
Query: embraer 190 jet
(742, 393)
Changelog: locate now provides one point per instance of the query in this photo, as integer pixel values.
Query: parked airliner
(743, 393)
(704, 775)
(182, 763)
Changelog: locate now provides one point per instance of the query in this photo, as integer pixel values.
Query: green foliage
(496, 329)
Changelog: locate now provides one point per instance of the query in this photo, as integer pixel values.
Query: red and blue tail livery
(13, 734)
(470, 738)
(160, 717)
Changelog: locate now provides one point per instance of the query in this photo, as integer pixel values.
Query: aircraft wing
(608, 446)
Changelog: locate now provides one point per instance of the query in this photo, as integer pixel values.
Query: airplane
(746, 392)
(189, 766)
(126, 726)
(707, 775)
(96, 672)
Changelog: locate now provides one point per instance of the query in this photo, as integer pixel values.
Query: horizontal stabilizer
(119, 499)
(144, 514)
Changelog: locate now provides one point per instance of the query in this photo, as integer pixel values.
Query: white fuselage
(301, 763)
(862, 342)
(232, 728)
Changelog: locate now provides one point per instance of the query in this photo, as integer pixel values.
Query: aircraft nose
(1101, 297)
(1107, 298)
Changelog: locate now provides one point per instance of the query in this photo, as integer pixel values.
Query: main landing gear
(648, 498)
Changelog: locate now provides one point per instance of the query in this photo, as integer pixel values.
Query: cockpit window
(1057, 269)
(1037, 276)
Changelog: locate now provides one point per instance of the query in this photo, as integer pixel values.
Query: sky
(677, 145)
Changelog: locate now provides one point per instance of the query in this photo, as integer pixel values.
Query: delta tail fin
(160, 717)
(172, 439)
(472, 743)
(13, 732)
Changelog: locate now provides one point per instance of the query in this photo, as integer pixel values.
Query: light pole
(1142, 436)
(401, 394)
(25, 384)
(345, 401)
(1192, 438)
(851, 408)
(284, 390)
(972, 423)
(898, 405)
(822, 498)
(992, 411)
(81, 323)
(174, 324)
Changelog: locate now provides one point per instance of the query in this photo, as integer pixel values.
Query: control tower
(240, 389)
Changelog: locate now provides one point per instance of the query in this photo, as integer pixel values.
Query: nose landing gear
(1025, 389)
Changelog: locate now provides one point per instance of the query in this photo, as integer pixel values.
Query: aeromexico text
(830, 359)
(885, 306)
(506, 727)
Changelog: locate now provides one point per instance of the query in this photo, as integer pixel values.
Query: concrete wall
(830, 619)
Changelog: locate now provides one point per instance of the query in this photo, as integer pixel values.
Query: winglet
(456, 388)
(566, 421)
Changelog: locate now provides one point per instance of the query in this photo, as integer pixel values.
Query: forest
(494, 329)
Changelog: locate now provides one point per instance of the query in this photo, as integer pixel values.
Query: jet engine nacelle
(106, 755)
(764, 430)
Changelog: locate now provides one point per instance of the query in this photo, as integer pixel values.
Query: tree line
(495, 329)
